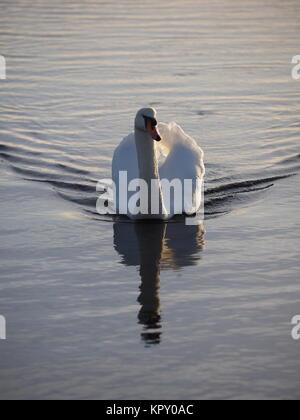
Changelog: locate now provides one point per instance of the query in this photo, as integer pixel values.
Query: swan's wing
(125, 159)
(183, 162)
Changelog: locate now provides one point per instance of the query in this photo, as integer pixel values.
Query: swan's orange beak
(152, 130)
(157, 136)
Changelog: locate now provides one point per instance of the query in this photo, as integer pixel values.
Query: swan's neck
(148, 165)
(148, 168)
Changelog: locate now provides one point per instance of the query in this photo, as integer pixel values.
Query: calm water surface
(100, 308)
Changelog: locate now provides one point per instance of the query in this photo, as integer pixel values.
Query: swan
(154, 155)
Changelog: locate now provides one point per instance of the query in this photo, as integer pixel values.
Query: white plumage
(177, 156)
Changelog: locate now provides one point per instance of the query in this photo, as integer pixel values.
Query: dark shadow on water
(154, 247)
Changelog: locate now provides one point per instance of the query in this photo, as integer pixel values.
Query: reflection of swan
(155, 246)
(176, 156)
(182, 245)
(150, 241)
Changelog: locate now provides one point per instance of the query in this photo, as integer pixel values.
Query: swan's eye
(153, 121)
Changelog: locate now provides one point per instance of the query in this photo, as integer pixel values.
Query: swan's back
(181, 158)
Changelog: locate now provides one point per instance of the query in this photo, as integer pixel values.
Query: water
(97, 308)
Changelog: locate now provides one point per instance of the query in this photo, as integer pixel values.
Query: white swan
(154, 153)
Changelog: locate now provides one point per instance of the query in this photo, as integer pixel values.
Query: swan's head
(146, 121)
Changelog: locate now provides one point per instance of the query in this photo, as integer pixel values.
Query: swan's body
(176, 157)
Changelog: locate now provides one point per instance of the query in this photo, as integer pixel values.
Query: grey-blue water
(97, 308)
